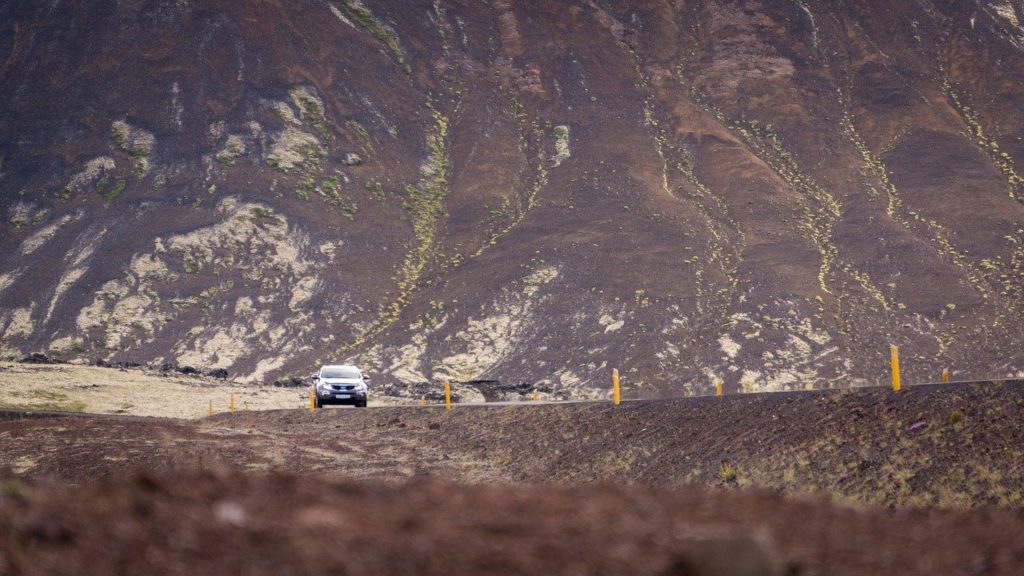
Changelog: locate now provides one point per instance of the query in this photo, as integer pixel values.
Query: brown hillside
(769, 192)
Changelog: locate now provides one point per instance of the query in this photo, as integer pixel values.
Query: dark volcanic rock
(38, 358)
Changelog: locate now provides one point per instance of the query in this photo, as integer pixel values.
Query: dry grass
(74, 388)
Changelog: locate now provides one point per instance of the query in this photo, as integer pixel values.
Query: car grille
(341, 388)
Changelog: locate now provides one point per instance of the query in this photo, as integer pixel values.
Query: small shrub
(118, 135)
(729, 473)
(375, 188)
(115, 191)
(955, 417)
(332, 186)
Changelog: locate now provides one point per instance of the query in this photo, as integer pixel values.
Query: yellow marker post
(616, 392)
(945, 375)
(312, 401)
(718, 388)
(447, 396)
(423, 400)
(895, 354)
(209, 410)
(231, 404)
(536, 396)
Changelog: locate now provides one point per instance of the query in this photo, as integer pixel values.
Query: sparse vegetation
(19, 216)
(819, 209)
(364, 137)
(424, 203)
(332, 186)
(1002, 160)
(375, 188)
(260, 213)
(955, 417)
(728, 473)
(233, 150)
(311, 110)
(52, 401)
(101, 184)
(294, 148)
(114, 191)
(358, 13)
(330, 189)
(908, 218)
(138, 143)
(513, 216)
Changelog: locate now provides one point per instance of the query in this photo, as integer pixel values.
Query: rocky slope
(767, 192)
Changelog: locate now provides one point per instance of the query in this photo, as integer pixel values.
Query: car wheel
(317, 402)
(361, 404)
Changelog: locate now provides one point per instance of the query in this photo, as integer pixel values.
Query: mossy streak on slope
(1011, 271)
(989, 145)
(425, 201)
(819, 212)
(311, 110)
(713, 210)
(365, 142)
(909, 219)
(355, 11)
(725, 254)
(818, 219)
(724, 236)
(425, 205)
(538, 181)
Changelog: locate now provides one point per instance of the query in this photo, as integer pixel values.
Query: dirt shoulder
(233, 523)
(954, 446)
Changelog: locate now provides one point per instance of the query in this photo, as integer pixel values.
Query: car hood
(346, 381)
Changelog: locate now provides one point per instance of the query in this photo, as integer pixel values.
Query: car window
(340, 373)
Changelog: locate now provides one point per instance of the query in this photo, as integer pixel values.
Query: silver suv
(340, 384)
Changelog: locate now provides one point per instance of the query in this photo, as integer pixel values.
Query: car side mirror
(366, 378)
(316, 376)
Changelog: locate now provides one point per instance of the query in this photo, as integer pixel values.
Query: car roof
(325, 366)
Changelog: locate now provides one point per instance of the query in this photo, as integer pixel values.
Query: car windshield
(340, 373)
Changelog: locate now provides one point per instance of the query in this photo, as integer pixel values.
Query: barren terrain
(955, 445)
(925, 481)
(514, 197)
